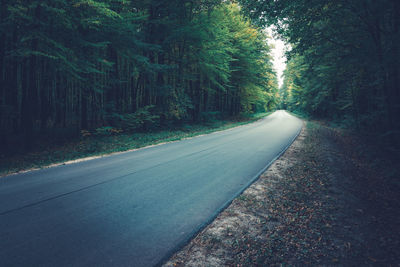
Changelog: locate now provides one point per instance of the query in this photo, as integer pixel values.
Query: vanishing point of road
(134, 208)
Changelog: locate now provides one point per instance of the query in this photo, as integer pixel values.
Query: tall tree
(83, 64)
(347, 53)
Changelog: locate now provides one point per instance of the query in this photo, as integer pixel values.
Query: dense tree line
(83, 64)
(344, 62)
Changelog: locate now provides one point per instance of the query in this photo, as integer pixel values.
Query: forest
(344, 61)
(68, 67)
(71, 67)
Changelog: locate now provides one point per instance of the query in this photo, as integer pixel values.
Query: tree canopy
(344, 62)
(66, 66)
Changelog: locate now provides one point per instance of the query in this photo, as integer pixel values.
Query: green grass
(47, 154)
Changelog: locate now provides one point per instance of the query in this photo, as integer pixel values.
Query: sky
(278, 55)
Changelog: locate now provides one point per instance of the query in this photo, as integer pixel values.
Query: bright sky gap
(278, 54)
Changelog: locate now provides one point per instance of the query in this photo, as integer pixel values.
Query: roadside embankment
(93, 144)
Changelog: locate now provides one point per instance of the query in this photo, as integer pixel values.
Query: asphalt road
(134, 208)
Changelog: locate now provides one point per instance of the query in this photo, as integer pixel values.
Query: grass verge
(49, 153)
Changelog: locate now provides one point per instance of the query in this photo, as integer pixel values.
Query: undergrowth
(96, 144)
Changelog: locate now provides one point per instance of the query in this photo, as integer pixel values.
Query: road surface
(134, 208)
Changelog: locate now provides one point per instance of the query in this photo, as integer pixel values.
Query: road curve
(134, 208)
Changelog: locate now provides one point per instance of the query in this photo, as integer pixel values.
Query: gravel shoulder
(321, 203)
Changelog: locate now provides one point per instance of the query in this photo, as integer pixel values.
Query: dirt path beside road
(320, 203)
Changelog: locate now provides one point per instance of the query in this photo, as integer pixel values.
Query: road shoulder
(312, 206)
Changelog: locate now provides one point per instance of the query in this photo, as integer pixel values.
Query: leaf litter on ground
(314, 206)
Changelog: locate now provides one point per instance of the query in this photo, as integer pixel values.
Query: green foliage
(92, 143)
(84, 64)
(142, 119)
(106, 131)
(344, 62)
(210, 116)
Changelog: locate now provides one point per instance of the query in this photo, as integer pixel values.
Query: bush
(142, 119)
(106, 131)
(210, 116)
